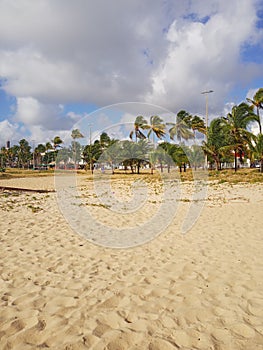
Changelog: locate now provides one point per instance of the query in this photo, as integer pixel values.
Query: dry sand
(202, 290)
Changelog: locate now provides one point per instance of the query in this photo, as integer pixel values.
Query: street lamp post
(206, 118)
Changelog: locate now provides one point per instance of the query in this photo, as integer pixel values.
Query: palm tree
(157, 128)
(236, 123)
(256, 146)
(195, 155)
(257, 102)
(76, 134)
(217, 141)
(39, 150)
(105, 140)
(49, 155)
(181, 129)
(56, 142)
(170, 150)
(24, 153)
(13, 155)
(3, 158)
(198, 124)
(140, 123)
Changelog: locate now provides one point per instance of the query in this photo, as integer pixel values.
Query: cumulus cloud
(8, 132)
(31, 112)
(56, 52)
(206, 56)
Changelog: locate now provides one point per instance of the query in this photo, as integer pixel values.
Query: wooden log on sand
(24, 189)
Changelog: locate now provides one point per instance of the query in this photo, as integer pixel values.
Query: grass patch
(34, 208)
(225, 175)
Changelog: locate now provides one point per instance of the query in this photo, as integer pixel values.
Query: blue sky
(162, 53)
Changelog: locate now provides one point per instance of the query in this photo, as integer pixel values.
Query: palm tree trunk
(261, 165)
(235, 161)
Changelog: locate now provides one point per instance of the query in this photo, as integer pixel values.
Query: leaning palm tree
(140, 123)
(198, 124)
(257, 102)
(236, 123)
(181, 129)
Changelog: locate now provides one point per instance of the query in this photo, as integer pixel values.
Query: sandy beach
(199, 290)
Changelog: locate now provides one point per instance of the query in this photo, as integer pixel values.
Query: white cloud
(56, 52)
(205, 56)
(31, 112)
(8, 132)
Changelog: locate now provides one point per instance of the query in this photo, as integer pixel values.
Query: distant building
(7, 144)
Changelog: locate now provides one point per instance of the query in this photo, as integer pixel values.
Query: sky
(97, 65)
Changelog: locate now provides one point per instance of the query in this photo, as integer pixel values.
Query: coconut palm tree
(38, 151)
(195, 155)
(56, 142)
(24, 154)
(3, 158)
(181, 129)
(156, 128)
(76, 134)
(256, 146)
(236, 124)
(140, 123)
(49, 150)
(217, 141)
(170, 150)
(13, 155)
(198, 124)
(257, 102)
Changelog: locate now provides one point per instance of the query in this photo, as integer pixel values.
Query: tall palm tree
(57, 141)
(236, 123)
(181, 129)
(257, 102)
(156, 127)
(140, 123)
(49, 155)
(76, 134)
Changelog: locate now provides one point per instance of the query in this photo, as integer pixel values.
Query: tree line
(228, 139)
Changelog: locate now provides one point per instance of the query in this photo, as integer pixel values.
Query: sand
(199, 290)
